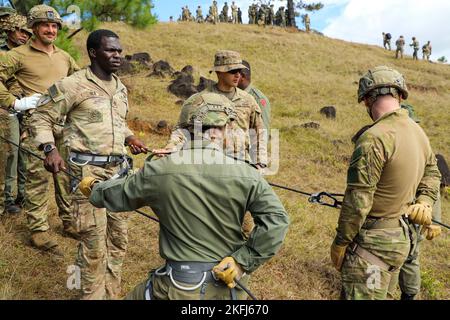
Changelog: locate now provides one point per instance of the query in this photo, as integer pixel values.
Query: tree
(135, 12)
(442, 59)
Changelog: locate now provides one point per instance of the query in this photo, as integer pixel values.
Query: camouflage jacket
(95, 120)
(400, 43)
(247, 139)
(415, 45)
(201, 206)
(392, 167)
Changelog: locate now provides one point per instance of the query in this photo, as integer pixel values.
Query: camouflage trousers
(387, 45)
(162, 288)
(410, 277)
(15, 166)
(104, 240)
(399, 53)
(37, 188)
(5, 149)
(362, 280)
(416, 54)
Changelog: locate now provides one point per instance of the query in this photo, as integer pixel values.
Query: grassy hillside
(300, 74)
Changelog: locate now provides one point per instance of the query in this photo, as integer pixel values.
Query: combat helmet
(383, 80)
(14, 21)
(207, 110)
(43, 13)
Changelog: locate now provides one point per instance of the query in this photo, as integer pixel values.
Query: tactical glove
(86, 185)
(337, 254)
(27, 103)
(420, 213)
(431, 231)
(228, 270)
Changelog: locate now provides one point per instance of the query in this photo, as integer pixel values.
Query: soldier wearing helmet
(393, 176)
(17, 34)
(16, 30)
(37, 65)
(200, 196)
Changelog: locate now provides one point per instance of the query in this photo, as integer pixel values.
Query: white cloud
(364, 21)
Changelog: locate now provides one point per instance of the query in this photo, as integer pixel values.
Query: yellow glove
(431, 231)
(228, 270)
(337, 254)
(86, 185)
(420, 213)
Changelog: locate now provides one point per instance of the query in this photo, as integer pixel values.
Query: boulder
(329, 112)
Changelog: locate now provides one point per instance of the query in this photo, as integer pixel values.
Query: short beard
(47, 42)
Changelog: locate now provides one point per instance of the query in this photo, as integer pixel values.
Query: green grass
(300, 73)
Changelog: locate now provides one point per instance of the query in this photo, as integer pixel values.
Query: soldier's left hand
(337, 254)
(431, 231)
(136, 145)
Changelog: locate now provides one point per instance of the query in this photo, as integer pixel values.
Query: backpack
(388, 36)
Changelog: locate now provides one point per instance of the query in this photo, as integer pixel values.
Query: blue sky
(360, 21)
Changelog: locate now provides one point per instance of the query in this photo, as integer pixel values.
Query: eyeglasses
(234, 71)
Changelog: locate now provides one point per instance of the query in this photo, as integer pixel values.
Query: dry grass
(300, 73)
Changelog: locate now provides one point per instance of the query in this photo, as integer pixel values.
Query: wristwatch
(49, 148)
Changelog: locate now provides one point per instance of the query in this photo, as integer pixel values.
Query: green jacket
(392, 167)
(201, 206)
(264, 105)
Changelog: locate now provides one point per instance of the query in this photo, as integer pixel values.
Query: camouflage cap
(382, 77)
(207, 109)
(226, 60)
(13, 22)
(43, 13)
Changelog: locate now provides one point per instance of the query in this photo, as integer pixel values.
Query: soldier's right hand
(420, 213)
(54, 163)
(162, 152)
(27, 103)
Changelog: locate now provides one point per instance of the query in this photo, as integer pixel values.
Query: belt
(381, 223)
(370, 257)
(83, 159)
(195, 273)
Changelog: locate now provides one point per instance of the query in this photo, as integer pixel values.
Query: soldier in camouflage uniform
(416, 46)
(201, 264)
(307, 22)
(18, 34)
(372, 240)
(199, 12)
(234, 13)
(225, 12)
(246, 139)
(36, 66)
(260, 98)
(252, 12)
(400, 43)
(94, 101)
(387, 41)
(426, 51)
(410, 277)
(215, 12)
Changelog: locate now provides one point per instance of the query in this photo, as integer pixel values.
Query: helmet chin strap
(369, 111)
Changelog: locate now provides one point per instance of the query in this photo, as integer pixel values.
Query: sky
(360, 21)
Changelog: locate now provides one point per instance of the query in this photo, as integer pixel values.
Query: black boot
(407, 296)
(12, 208)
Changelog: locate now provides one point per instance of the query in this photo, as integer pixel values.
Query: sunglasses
(234, 71)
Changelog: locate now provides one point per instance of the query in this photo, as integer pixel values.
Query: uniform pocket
(84, 217)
